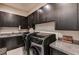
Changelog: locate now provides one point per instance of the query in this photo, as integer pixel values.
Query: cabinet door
(8, 20)
(36, 17)
(30, 20)
(78, 16)
(47, 13)
(11, 20)
(14, 42)
(40, 20)
(2, 43)
(43, 15)
(66, 16)
(56, 52)
(1, 21)
(14, 21)
(23, 22)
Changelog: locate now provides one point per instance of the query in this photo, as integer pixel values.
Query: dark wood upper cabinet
(30, 19)
(12, 20)
(35, 17)
(47, 13)
(23, 22)
(43, 15)
(66, 16)
(8, 20)
(78, 15)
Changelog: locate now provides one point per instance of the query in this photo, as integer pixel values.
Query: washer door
(35, 50)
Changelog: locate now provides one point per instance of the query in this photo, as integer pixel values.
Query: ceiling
(26, 7)
(23, 9)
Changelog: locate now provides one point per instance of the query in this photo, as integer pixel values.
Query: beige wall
(50, 27)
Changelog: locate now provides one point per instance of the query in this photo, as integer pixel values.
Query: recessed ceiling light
(10, 15)
(47, 7)
(40, 10)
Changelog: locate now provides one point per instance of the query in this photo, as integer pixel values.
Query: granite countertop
(4, 35)
(10, 35)
(71, 49)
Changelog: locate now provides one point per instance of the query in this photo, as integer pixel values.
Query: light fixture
(40, 10)
(10, 16)
(47, 7)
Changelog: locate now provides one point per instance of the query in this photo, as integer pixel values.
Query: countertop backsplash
(50, 27)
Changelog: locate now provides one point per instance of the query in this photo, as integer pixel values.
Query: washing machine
(27, 42)
(39, 43)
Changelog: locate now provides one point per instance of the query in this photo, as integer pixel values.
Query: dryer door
(35, 50)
